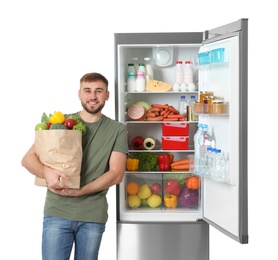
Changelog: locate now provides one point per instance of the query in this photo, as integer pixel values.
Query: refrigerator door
(225, 204)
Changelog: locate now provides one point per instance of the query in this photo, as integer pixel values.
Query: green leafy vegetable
(44, 118)
(147, 161)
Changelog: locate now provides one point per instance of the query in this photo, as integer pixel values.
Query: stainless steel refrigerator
(183, 232)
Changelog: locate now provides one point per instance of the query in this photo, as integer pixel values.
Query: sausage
(157, 118)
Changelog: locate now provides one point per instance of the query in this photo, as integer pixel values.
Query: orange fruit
(192, 183)
(132, 188)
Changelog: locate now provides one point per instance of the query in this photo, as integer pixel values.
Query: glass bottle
(140, 82)
(131, 82)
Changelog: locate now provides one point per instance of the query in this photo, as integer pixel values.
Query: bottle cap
(187, 62)
(178, 62)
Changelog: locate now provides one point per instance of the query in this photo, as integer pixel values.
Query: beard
(92, 110)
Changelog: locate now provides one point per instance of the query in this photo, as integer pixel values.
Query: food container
(175, 142)
(217, 55)
(219, 107)
(205, 94)
(198, 107)
(203, 58)
(175, 129)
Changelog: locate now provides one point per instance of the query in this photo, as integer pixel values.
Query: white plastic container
(179, 72)
(188, 72)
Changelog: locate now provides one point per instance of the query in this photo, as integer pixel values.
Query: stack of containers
(175, 136)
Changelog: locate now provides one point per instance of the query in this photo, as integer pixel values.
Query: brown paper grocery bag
(62, 150)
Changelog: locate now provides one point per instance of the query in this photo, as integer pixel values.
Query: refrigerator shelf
(164, 92)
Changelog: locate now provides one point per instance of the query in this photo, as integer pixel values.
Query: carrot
(181, 167)
(181, 161)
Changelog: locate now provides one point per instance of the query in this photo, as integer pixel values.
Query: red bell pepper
(164, 162)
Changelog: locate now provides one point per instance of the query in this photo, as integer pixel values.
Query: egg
(184, 87)
(191, 86)
(176, 87)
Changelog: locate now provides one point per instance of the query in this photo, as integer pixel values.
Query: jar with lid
(131, 82)
(140, 82)
(149, 68)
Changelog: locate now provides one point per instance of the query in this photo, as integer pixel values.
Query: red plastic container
(175, 129)
(175, 142)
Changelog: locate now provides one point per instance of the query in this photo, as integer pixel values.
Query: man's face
(93, 96)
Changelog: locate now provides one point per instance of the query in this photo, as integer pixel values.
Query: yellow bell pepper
(57, 118)
(132, 164)
(170, 200)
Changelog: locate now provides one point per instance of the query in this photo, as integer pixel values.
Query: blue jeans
(59, 235)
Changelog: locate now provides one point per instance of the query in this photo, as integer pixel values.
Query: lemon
(154, 200)
(133, 201)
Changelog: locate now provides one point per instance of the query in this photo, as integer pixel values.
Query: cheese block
(158, 86)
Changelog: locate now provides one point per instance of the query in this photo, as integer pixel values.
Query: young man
(78, 216)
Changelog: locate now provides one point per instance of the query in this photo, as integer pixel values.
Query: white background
(46, 46)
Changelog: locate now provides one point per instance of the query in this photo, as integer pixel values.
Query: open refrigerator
(219, 59)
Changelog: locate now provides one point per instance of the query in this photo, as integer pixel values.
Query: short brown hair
(94, 76)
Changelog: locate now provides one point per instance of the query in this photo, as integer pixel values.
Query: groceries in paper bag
(58, 144)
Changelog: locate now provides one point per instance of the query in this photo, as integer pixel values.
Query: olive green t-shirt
(101, 138)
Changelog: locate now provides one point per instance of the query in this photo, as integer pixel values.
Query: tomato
(48, 124)
(69, 123)
(41, 126)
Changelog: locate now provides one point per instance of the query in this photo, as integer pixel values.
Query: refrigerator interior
(146, 129)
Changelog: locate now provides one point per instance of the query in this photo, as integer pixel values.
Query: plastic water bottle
(149, 68)
(179, 72)
(140, 82)
(205, 141)
(188, 73)
(183, 106)
(131, 82)
(219, 163)
(207, 161)
(197, 148)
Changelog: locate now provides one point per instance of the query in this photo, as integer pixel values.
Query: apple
(70, 123)
(173, 187)
(156, 188)
(41, 126)
(48, 124)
